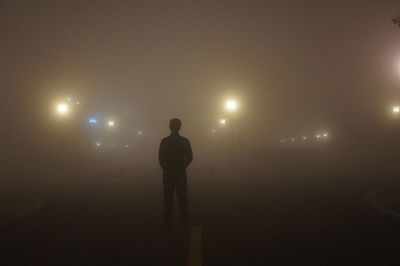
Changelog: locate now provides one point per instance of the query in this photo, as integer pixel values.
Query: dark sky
(296, 66)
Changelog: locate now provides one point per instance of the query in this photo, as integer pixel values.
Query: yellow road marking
(195, 248)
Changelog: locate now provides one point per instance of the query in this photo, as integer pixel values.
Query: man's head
(175, 125)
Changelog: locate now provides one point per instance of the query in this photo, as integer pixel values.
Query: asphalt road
(246, 219)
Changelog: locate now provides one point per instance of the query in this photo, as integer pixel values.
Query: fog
(316, 85)
(295, 68)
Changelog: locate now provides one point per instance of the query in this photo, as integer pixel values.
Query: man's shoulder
(183, 139)
(174, 139)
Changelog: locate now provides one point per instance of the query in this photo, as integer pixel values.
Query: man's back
(175, 152)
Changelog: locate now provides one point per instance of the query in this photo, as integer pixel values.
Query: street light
(231, 105)
(111, 123)
(63, 109)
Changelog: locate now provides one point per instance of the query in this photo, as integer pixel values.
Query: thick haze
(295, 66)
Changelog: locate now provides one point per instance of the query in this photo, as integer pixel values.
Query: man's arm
(189, 154)
(161, 155)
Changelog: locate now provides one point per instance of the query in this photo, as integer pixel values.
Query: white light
(222, 121)
(62, 108)
(325, 135)
(318, 136)
(92, 121)
(304, 138)
(231, 105)
(396, 109)
(77, 103)
(98, 144)
(69, 99)
(111, 123)
(140, 132)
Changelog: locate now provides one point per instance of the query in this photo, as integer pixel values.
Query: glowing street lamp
(231, 105)
(62, 109)
(111, 123)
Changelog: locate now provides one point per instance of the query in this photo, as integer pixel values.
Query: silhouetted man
(175, 155)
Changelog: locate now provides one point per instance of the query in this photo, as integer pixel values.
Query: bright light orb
(62, 108)
(318, 136)
(325, 135)
(98, 144)
(92, 121)
(231, 105)
(396, 109)
(304, 138)
(222, 121)
(111, 123)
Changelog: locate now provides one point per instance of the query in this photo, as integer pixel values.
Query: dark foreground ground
(247, 218)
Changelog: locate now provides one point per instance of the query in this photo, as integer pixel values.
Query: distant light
(62, 108)
(77, 103)
(318, 136)
(93, 121)
(325, 135)
(140, 132)
(231, 105)
(304, 138)
(126, 146)
(98, 144)
(222, 121)
(396, 109)
(69, 99)
(111, 123)
(293, 139)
